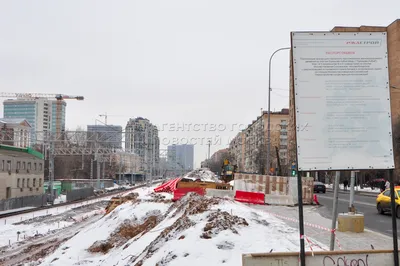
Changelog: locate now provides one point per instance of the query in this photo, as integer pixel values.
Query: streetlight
(269, 106)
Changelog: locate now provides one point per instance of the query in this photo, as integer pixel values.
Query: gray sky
(173, 62)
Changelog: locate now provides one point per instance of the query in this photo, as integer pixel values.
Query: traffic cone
(316, 199)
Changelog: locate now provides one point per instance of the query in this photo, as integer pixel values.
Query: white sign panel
(342, 101)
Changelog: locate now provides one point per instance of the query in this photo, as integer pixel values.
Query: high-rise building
(180, 157)
(108, 136)
(141, 138)
(40, 113)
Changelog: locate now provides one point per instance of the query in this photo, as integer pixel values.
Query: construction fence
(277, 189)
(79, 194)
(22, 202)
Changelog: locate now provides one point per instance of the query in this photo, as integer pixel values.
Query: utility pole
(120, 168)
(51, 167)
(335, 210)
(208, 159)
(269, 106)
(352, 183)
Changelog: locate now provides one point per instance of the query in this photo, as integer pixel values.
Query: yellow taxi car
(383, 201)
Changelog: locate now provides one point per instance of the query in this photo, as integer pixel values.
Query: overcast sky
(173, 62)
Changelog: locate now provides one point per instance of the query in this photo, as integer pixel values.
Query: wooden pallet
(204, 185)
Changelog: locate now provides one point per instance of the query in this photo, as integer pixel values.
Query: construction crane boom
(28, 95)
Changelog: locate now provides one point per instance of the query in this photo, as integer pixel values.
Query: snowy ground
(46, 230)
(151, 230)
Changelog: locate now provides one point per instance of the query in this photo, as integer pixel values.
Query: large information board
(342, 100)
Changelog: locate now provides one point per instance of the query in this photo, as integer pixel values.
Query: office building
(108, 136)
(141, 138)
(180, 157)
(40, 113)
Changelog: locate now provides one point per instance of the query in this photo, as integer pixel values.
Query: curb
(366, 194)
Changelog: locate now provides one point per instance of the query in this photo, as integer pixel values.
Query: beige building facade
(393, 37)
(251, 143)
(15, 132)
(21, 172)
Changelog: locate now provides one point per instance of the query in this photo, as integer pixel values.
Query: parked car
(319, 187)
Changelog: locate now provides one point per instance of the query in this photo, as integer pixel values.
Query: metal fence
(78, 194)
(22, 202)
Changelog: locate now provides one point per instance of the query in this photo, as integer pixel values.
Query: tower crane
(49, 96)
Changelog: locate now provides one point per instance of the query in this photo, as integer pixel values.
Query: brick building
(393, 40)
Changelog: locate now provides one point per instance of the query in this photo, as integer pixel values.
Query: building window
(23, 182)
(29, 166)
(28, 181)
(18, 165)
(35, 166)
(18, 182)
(34, 182)
(8, 165)
(40, 166)
(40, 182)
(2, 165)
(23, 165)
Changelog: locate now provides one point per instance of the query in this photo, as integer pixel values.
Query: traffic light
(293, 172)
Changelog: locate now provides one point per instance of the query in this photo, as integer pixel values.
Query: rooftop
(15, 121)
(16, 151)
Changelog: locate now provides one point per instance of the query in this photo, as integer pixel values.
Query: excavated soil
(220, 221)
(191, 204)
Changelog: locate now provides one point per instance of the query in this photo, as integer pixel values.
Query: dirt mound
(102, 246)
(128, 230)
(156, 197)
(192, 203)
(221, 220)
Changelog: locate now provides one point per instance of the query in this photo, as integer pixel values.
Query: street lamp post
(269, 106)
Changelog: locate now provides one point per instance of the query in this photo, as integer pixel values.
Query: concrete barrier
(321, 258)
(285, 200)
(220, 193)
(278, 190)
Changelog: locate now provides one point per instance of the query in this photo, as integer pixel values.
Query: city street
(363, 204)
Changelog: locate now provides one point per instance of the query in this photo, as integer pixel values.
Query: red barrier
(169, 186)
(316, 199)
(250, 197)
(180, 192)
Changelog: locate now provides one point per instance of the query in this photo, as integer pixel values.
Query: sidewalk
(317, 227)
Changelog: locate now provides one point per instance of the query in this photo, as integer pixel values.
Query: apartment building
(250, 146)
(141, 138)
(15, 132)
(21, 172)
(393, 38)
(40, 113)
(279, 135)
(237, 148)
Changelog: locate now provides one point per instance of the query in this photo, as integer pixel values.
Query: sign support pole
(335, 210)
(394, 219)
(301, 217)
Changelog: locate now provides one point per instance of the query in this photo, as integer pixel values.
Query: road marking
(344, 200)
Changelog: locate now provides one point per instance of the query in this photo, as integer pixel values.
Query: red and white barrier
(250, 197)
(168, 187)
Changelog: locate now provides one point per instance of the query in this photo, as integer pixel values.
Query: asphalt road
(364, 204)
